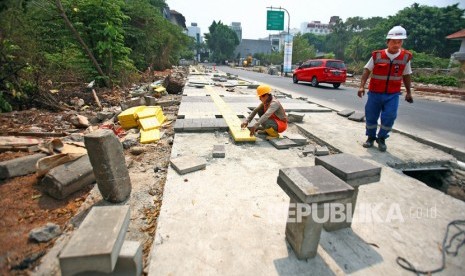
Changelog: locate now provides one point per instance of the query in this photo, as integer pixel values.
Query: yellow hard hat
(263, 89)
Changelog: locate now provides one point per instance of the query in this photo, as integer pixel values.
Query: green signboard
(275, 20)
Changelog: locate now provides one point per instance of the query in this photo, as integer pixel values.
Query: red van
(321, 71)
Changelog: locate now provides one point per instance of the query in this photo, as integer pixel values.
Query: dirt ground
(24, 206)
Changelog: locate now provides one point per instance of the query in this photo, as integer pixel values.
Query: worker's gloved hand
(244, 124)
(252, 131)
(409, 98)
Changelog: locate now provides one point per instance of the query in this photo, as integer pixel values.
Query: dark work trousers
(382, 105)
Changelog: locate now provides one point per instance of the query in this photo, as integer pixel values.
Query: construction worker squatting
(273, 118)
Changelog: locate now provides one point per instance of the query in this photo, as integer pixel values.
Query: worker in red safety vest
(389, 67)
(273, 118)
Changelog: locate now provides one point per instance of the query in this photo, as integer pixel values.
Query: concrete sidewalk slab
(231, 218)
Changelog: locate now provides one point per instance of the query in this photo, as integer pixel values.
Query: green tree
(318, 41)
(357, 49)
(338, 39)
(222, 41)
(301, 49)
(428, 26)
(155, 42)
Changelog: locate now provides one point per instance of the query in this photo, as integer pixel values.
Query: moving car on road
(319, 71)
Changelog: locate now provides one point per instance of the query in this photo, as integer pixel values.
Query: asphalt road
(438, 121)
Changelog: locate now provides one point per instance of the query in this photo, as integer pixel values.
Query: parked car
(319, 71)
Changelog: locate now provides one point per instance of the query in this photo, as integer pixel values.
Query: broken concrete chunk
(357, 116)
(346, 112)
(79, 121)
(45, 233)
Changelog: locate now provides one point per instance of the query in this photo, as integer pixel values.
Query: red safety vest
(387, 74)
(282, 124)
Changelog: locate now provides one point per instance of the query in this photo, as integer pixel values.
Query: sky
(252, 13)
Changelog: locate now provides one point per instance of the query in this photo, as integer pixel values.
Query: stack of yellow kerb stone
(148, 118)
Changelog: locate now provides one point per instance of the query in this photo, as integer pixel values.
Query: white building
(237, 28)
(194, 31)
(318, 28)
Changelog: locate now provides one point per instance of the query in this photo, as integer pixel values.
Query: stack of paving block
(148, 118)
(127, 119)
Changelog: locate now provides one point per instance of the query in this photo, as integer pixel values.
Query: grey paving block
(283, 143)
(97, 243)
(346, 112)
(297, 138)
(294, 117)
(351, 169)
(357, 116)
(178, 125)
(109, 166)
(129, 260)
(68, 178)
(219, 151)
(20, 166)
(313, 184)
(187, 164)
(321, 150)
(310, 149)
(192, 125)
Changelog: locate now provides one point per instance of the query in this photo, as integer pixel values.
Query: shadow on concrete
(349, 251)
(293, 266)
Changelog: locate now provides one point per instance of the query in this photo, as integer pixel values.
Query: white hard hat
(397, 32)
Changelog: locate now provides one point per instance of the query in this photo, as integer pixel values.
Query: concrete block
(219, 151)
(321, 150)
(68, 178)
(303, 233)
(349, 168)
(314, 184)
(310, 149)
(354, 171)
(20, 166)
(283, 143)
(129, 259)
(132, 103)
(346, 112)
(150, 101)
(294, 117)
(97, 243)
(179, 125)
(297, 138)
(109, 166)
(187, 164)
(357, 116)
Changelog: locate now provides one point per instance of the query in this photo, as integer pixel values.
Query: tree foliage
(122, 35)
(222, 41)
(301, 49)
(427, 28)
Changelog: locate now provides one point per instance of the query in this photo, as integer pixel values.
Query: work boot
(369, 142)
(381, 144)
